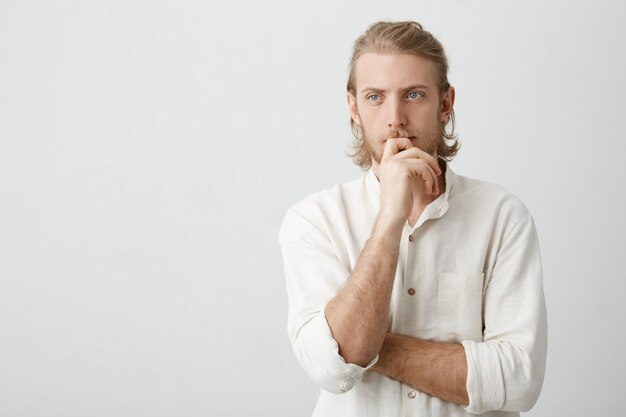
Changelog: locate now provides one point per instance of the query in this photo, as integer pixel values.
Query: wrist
(387, 225)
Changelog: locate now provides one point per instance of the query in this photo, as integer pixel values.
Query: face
(397, 95)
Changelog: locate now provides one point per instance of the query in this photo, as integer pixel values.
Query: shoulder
(313, 213)
(490, 197)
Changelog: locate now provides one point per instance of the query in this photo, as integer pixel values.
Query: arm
(503, 372)
(435, 368)
(314, 275)
(327, 302)
(358, 316)
(506, 369)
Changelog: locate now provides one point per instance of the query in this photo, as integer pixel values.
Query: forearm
(358, 315)
(437, 369)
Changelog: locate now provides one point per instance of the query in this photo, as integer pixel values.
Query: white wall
(148, 151)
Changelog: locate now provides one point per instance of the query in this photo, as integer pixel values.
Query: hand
(401, 166)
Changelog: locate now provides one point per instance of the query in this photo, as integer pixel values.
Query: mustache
(402, 133)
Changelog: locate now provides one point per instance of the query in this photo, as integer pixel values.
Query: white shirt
(469, 271)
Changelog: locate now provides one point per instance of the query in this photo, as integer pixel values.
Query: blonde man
(413, 290)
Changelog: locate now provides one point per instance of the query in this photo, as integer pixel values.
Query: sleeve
(314, 275)
(506, 370)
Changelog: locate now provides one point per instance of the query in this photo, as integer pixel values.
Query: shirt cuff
(484, 377)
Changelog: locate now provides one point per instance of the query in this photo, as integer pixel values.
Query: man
(413, 291)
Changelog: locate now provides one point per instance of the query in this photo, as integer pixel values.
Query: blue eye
(414, 94)
(373, 97)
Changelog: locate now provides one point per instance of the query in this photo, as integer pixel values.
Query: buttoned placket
(409, 296)
(410, 244)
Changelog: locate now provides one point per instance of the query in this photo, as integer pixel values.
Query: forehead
(389, 71)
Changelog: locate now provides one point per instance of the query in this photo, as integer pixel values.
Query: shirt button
(411, 291)
(411, 239)
(412, 394)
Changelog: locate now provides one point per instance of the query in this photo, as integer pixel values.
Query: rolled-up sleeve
(314, 275)
(506, 370)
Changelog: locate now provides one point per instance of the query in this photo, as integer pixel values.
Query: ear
(447, 104)
(354, 111)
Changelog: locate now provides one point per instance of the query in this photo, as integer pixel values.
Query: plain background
(149, 150)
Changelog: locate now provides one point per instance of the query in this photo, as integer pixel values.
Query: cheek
(369, 116)
(429, 118)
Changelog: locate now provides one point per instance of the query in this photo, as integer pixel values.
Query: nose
(396, 116)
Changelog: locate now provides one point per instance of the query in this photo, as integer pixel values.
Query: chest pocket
(459, 306)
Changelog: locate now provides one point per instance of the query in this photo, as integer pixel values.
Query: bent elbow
(531, 383)
(525, 405)
(530, 398)
(318, 353)
(339, 376)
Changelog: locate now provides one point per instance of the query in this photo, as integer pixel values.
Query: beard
(428, 141)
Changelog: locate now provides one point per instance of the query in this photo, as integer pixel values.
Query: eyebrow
(403, 89)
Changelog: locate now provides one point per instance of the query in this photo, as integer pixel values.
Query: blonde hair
(401, 37)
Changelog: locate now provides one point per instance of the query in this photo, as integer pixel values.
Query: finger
(395, 145)
(421, 169)
(416, 152)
